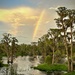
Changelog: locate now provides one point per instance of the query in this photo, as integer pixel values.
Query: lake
(24, 65)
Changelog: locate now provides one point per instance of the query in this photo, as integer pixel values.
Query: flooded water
(24, 65)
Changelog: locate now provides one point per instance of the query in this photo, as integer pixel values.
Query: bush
(51, 68)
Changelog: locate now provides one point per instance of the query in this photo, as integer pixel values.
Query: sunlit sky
(28, 20)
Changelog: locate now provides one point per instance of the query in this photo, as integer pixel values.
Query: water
(24, 65)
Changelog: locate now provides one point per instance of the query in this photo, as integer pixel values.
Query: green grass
(50, 68)
(5, 65)
(70, 73)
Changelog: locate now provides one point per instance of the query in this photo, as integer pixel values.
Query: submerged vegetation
(56, 47)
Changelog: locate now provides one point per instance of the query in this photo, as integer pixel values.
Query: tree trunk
(44, 54)
(69, 68)
(12, 58)
(8, 61)
(53, 57)
(33, 53)
(8, 57)
(12, 53)
(71, 52)
(66, 47)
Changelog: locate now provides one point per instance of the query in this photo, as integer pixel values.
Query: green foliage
(5, 65)
(58, 53)
(70, 73)
(48, 59)
(1, 64)
(51, 68)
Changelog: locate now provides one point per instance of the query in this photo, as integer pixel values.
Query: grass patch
(5, 65)
(70, 73)
(51, 68)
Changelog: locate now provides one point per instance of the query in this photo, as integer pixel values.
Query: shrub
(51, 68)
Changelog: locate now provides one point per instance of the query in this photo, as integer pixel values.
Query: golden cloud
(23, 16)
(18, 17)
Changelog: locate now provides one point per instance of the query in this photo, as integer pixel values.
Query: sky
(28, 20)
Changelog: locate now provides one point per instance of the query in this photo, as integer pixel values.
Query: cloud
(24, 16)
(54, 8)
(47, 22)
(18, 17)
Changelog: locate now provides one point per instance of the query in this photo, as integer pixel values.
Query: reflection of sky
(24, 66)
(20, 17)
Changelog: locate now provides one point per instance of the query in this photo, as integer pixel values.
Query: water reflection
(24, 65)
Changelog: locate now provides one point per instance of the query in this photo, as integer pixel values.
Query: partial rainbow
(38, 23)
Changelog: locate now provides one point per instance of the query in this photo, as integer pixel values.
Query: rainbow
(38, 23)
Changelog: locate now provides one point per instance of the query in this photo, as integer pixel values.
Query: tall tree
(66, 20)
(70, 23)
(6, 45)
(62, 13)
